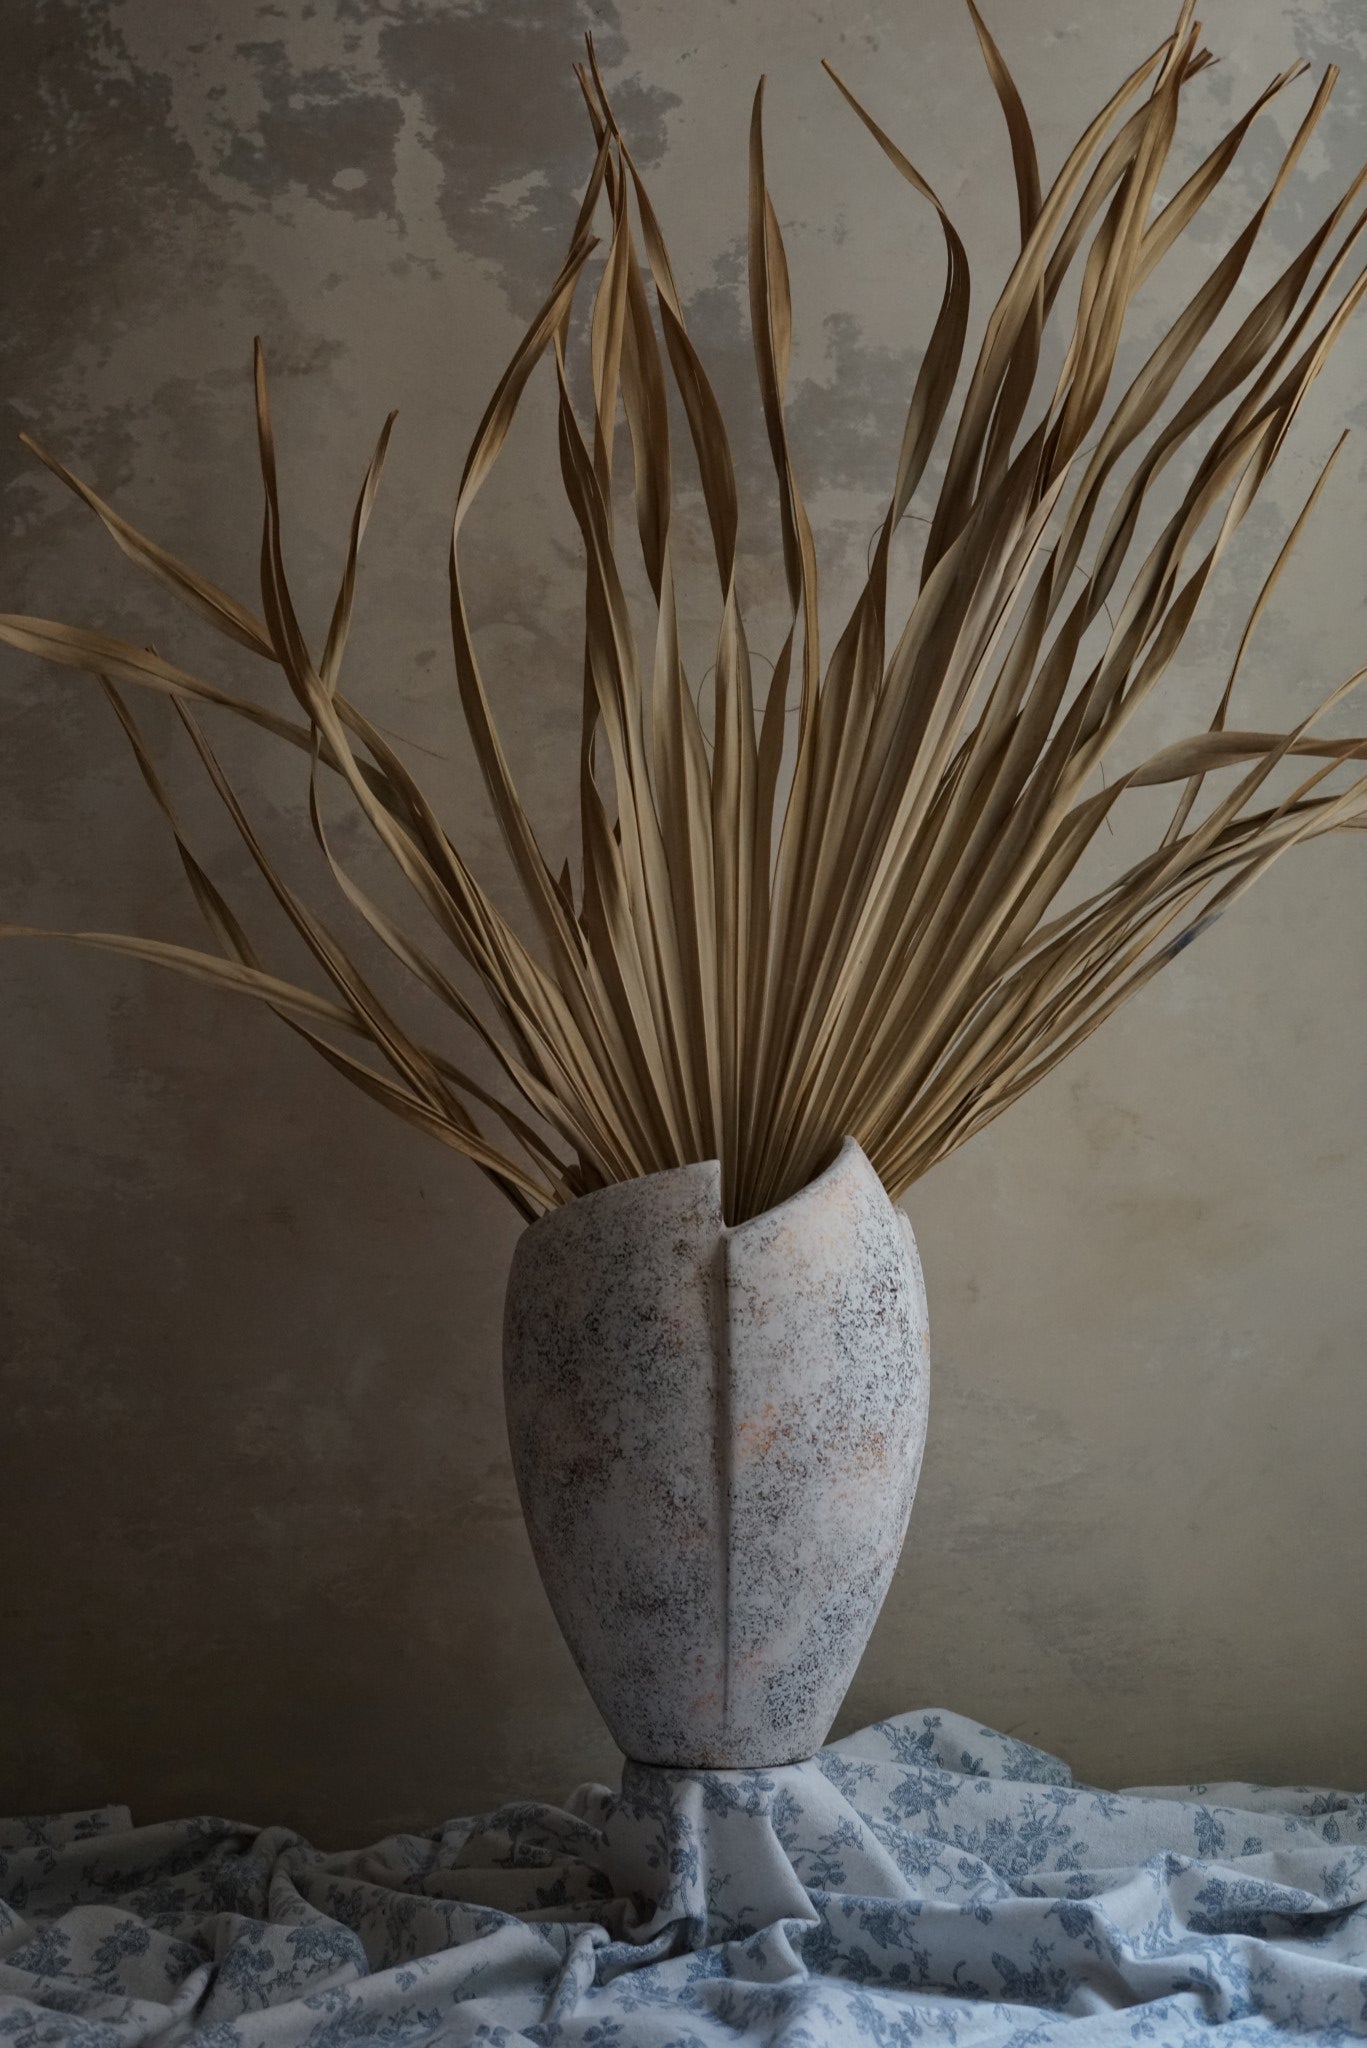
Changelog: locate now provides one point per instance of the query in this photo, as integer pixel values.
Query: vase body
(716, 1434)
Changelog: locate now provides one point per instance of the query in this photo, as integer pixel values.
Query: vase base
(721, 1763)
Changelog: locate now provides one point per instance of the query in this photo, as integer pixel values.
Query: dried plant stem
(778, 936)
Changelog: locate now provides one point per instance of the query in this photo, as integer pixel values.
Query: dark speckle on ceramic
(717, 1434)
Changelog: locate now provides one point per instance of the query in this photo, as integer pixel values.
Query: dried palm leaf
(868, 923)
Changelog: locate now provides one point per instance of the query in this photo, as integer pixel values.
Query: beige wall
(262, 1549)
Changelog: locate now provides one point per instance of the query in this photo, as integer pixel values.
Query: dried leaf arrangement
(854, 920)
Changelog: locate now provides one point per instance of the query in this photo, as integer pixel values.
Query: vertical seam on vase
(724, 1459)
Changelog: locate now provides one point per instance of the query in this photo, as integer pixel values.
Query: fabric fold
(925, 1879)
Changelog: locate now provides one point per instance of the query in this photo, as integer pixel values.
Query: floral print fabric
(923, 1881)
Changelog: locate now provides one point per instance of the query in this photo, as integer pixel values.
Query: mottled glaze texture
(717, 1434)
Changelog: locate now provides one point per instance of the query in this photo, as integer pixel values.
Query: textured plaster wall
(262, 1548)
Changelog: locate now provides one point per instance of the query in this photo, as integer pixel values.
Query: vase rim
(849, 1155)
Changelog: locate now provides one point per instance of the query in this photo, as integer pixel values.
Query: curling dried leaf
(847, 903)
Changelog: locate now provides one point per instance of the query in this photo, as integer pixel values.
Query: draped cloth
(923, 1881)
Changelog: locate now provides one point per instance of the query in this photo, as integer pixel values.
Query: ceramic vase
(717, 1433)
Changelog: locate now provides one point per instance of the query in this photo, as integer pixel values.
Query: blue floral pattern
(926, 1881)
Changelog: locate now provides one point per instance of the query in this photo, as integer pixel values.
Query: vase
(716, 1433)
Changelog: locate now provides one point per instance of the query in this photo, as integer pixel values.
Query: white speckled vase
(717, 1434)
